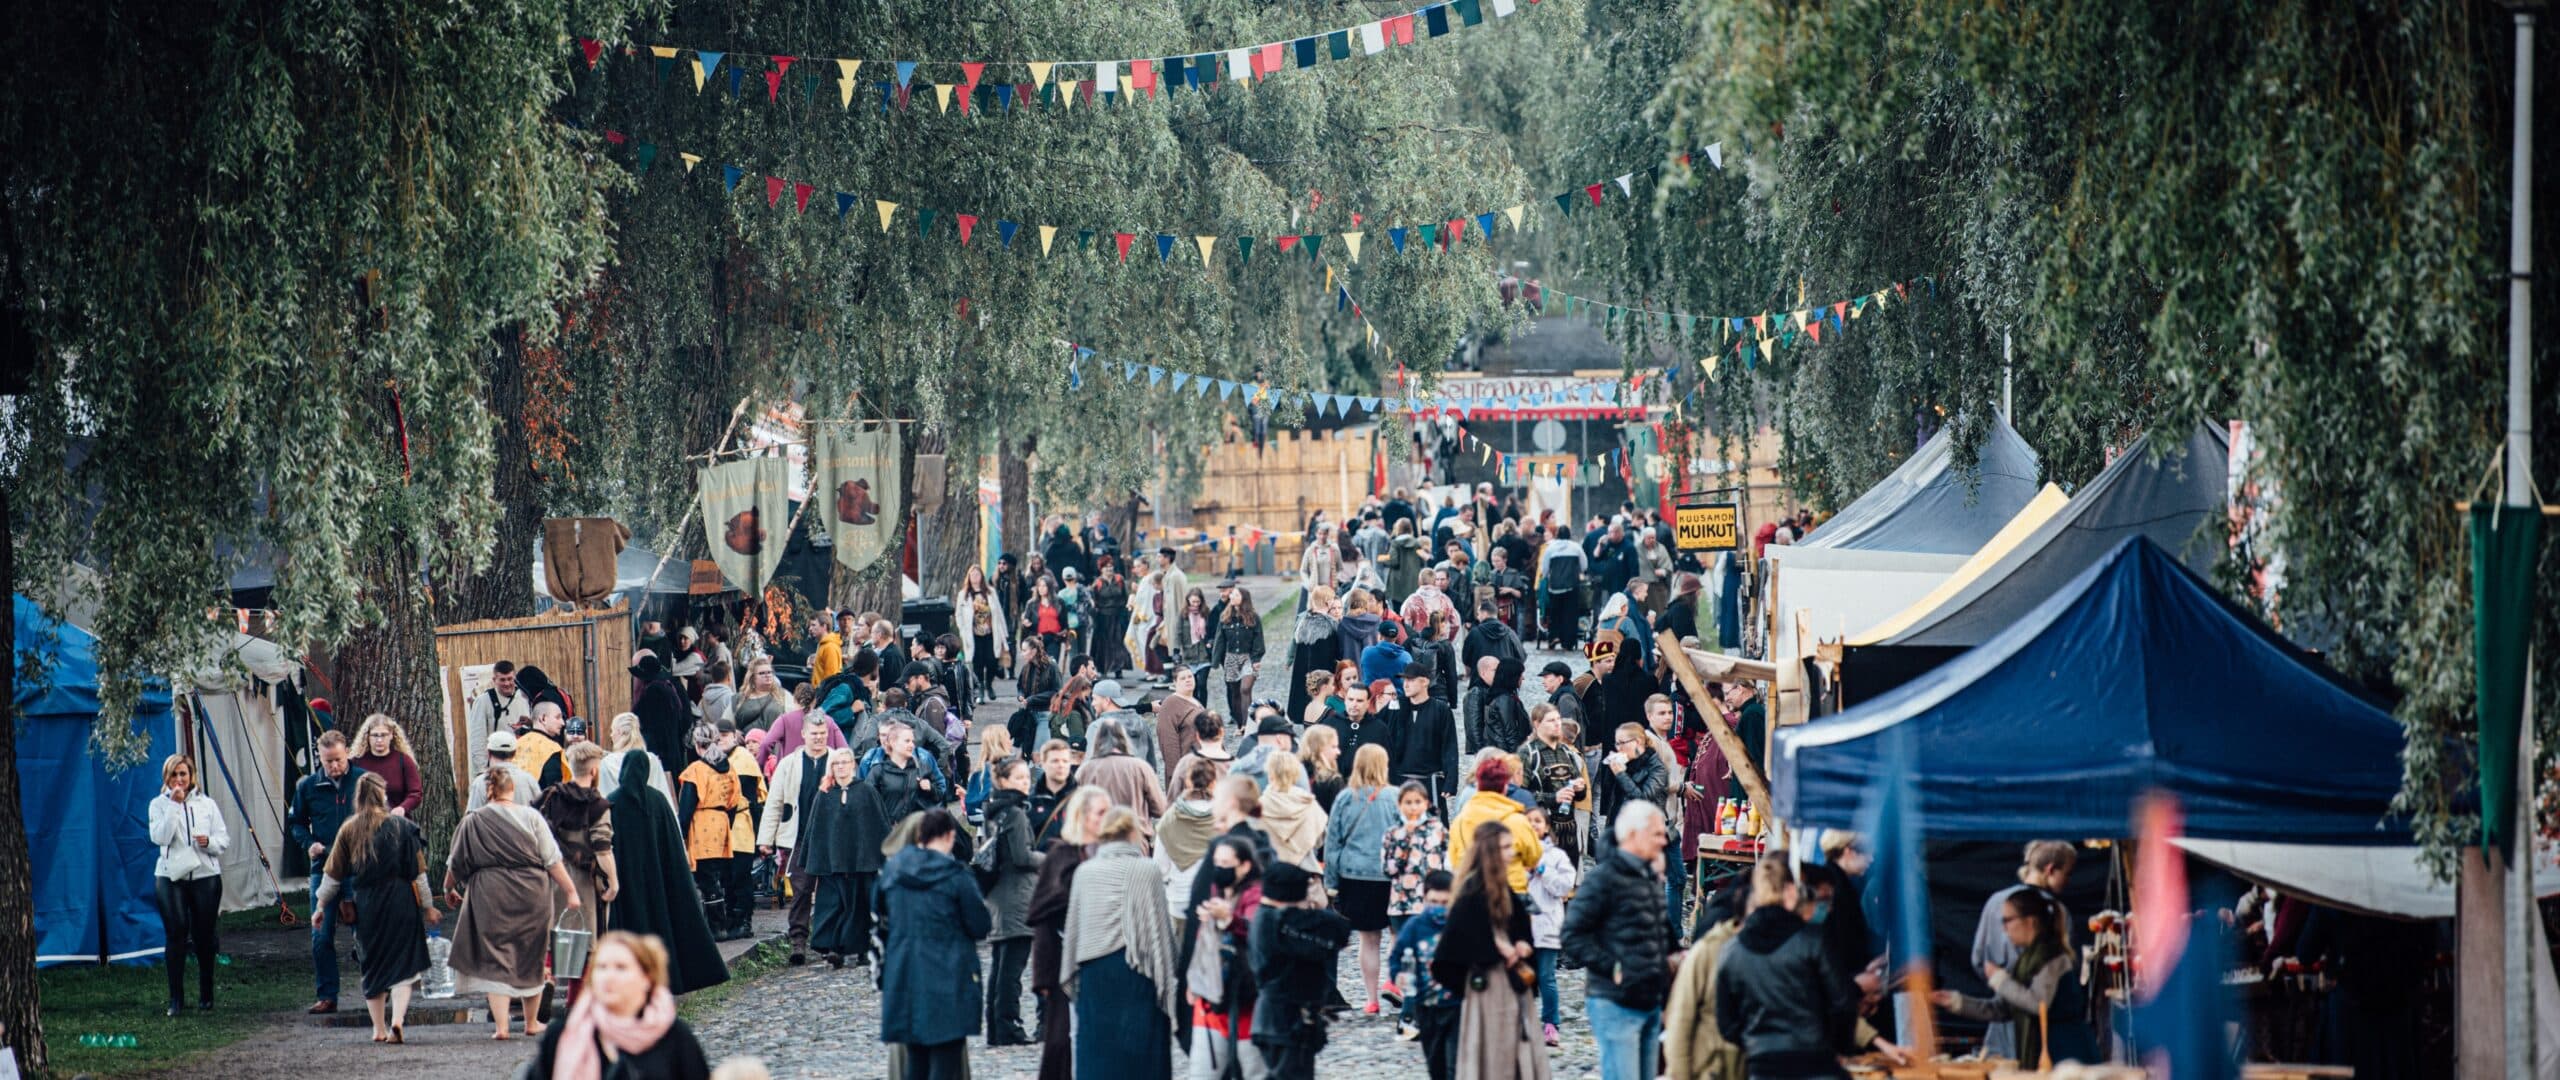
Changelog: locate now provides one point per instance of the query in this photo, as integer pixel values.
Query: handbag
(1207, 976)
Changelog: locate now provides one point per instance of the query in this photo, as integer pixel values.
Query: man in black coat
(1429, 731)
(1635, 774)
(1503, 722)
(1356, 726)
(1294, 946)
(663, 714)
(1621, 933)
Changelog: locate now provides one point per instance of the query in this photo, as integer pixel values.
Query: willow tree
(715, 295)
(2285, 212)
(260, 250)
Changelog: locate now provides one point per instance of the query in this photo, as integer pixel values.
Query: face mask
(1223, 877)
(1821, 911)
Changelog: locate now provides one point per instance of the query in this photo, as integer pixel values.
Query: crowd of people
(1186, 871)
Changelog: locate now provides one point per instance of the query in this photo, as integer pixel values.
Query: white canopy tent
(236, 721)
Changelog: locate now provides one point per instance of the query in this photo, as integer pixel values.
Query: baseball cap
(502, 741)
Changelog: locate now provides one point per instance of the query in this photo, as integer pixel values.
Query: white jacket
(777, 830)
(1549, 887)
(174, 826)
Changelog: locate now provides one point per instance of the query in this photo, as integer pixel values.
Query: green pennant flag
(1244, 249)
(1340, 42)
(1313, 241)
(1564, 203)
(2504, 545)
(1430, 237)
(1084, 239)
(648, 152)
(924, 222)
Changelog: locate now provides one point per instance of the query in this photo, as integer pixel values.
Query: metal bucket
(569, 949)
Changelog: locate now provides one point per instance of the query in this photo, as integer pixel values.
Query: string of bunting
(1753, 337)
(928, 221)
(1063, 84)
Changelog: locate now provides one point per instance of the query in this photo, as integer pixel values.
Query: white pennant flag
(1502, 9)
(1626, 184)
(1715, 154)
(1106, 75)
(1373, 38)
(1239, 65)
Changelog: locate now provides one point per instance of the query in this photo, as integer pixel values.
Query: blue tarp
(2135, 676)
(88, 828)
(1931, 507)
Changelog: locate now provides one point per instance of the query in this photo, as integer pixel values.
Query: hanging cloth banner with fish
(746, 510)
(854, 475)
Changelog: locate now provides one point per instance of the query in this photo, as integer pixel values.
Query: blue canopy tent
(2135, 676)
(88, 826)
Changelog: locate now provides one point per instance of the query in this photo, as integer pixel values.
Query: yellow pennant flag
(844, 84)
(690, 160)
(1040, 73)
(663, 52)
(1352, 240)
(1768, 347)
(1066, 93)
(1512, 212)
(1710, 363)
(1880, 296)
(887, 210)
(1205, 242)
(1128, 87)
(698, 74)
(1328, 280)
(942, 95)
(1798, 316)
(1048, 233)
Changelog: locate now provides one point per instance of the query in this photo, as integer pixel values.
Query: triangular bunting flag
(1122, 241)
(729, 177)
(592, 49)
(906, 73)
(1484, 223)
(924, 222)
(1039, 73)
(690, 160)
(1048, 234)
(1285, 242)
(942, 94)
(1512, 212)
(647, 152)
(1164, 247)
(1206, 243)
(1004, 233)
(773, 78)
(1715, 155)
(1626, 184)
(967, 222)
(1315, 244)
(844, 204)
(703, 64)
(1396, 236)
(772, 191)
(1564, 203)
(800, 196)
(1594, 192)
(1350, 240)
(1244, 249)
(887, 209)
(845, 70)
(1768, 347)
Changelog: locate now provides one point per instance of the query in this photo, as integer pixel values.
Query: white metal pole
(2008, 380)
(2520, 905)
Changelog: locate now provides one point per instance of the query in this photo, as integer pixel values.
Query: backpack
(985, 864)
(1564, 573)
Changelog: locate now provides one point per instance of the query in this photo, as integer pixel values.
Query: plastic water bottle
(439, 980)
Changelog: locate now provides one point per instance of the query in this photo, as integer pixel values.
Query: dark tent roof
(2135, 676)
(1928, 505)
(2167, 500)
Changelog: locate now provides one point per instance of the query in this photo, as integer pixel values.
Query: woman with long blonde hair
(621, 736)
(379, 860)
(188, 876)
(1355, 845)
(382, 749)
(761, 700)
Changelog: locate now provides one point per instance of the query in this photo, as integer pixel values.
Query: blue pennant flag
(1200, 384)
(736, 74)
(1075, 378)
(1180, 380)
(709, 61)
(1484, 222)
(844, 202)
(885, 90)
(1397, 235)
(1005, 231)
(1369, 404)
(1004, 97)
(1155, 375)
(1341, 298)
(1084, 352)
(906, 72)
(1128, 371)
(1164, 247)
(1226, 389)
(729, 175)
(1734, 324)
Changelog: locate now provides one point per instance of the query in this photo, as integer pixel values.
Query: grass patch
(755, 963)
(126, 1000)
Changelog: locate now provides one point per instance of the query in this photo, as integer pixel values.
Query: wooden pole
(1735, 754)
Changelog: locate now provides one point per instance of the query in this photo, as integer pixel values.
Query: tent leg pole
(1735, 754)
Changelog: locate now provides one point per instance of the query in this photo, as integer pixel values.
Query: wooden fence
(587, 653)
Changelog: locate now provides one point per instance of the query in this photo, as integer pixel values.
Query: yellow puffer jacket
(1491, 806)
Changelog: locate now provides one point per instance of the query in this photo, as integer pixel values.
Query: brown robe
(503, 931)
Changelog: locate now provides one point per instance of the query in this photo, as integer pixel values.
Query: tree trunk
(21, 1022)
(949, 544)
(503, 589)
(390, 667)
(1013, 476)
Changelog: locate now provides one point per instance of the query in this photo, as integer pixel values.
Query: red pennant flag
(967, 222)
(1814, 330)
(1287, 242)
(1271, 61)
(966, 93)
(905, 94)
(1902, 288)
(772, 190)
(616, 138)
(1840, 310)
(1399, 30)
(1142, 74)
(1085, 89)
(1122, 240)
(772, 86)
(1026, 93)
(1457, 228)
(592, 48)
(969, 73)
(783, 63)
(1253, 59)
(1760, 324)
(800, 194)
(963, 307)
(1594, 192)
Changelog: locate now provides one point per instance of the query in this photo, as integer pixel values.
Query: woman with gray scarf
(1119, 958)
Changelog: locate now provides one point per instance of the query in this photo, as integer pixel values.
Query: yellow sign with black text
(1707, 527)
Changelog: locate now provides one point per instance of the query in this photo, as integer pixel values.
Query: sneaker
(1407, 1032)
(1388, 993)
(1551, 1034)
(1372, 1010)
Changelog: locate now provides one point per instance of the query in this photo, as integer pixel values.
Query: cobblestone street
(816, 1022)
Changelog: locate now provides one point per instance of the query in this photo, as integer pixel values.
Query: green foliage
(260, 245)
(2288, 212)
(714, 297)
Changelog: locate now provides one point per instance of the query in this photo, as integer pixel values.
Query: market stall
(1932, 505)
